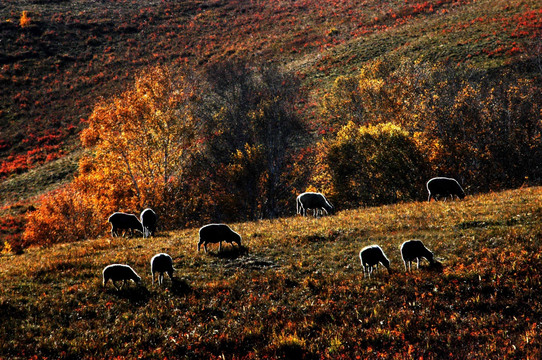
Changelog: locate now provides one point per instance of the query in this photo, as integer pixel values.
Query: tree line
(233, 143)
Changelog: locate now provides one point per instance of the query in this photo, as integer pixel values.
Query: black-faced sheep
(123, 221)
(216, 233)
(315, 201)
(148, 221)
(161, 263)
(119, 272)
(370, 257)
(414, 250)
(443, 186)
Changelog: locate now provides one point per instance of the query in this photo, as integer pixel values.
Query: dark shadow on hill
(475, 224)
(10, 311)
(136, 295)
(435, 268)
(230, 252)
(180, 287)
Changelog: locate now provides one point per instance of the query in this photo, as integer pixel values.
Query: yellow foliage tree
(140, 140)
(137, 145)
(372, 165)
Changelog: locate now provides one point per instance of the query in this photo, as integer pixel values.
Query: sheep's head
(237, 239)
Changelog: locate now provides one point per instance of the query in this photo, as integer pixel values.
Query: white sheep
(414, 250)
(370, 257)
(119, 272)
(315, 201)
(216, 233)
(161, 263)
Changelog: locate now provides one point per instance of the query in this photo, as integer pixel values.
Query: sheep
(148, 221)
(414, 250)
(315, 201)
(123, 221)
(119, 272)
(444, 186)
(161, 263)
(216, 233)
(370, 257)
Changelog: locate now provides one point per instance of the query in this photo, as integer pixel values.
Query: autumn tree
(137, 145)
(141, 139)
(479, 126)
(373, 165)
(252, 129)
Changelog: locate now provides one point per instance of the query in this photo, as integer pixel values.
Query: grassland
(70, 53)
(295, 290)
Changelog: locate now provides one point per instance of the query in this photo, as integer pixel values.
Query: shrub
(375, 164)
(480, 127)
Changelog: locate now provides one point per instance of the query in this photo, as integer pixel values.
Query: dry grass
(295, 289)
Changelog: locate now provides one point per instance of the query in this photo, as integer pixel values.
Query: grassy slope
(298, 291)
(74, 52)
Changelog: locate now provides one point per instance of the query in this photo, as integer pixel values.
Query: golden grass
(298, 291)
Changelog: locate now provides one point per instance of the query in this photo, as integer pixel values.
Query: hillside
(295, 290)
(60, 57)
(63, 56)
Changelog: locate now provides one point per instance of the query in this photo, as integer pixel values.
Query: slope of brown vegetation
(295, 291)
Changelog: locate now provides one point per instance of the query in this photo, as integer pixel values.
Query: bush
(374, 165)
(480, 127)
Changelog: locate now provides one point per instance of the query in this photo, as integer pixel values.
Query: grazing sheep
(119, 272)
(148, 221)
(216, 233)
(370, 257)
(443, 186)
(161, 263)
(315, 201)
(414, 250)
(123, 221)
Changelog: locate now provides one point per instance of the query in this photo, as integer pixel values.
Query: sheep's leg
(220, 246)
(205, 247)
(152, 279)
(115, 285)
(429, 198)
(417, 263)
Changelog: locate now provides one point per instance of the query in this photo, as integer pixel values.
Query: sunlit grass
(295, 289)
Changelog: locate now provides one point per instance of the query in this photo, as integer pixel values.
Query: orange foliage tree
(137, 146)
(214, 146)
(141, 140)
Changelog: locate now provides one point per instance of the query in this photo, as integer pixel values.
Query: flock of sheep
(370, 256)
